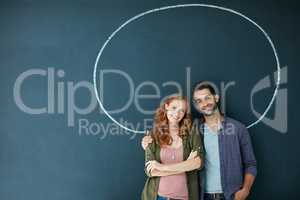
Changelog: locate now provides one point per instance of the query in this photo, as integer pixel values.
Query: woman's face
(176, 110)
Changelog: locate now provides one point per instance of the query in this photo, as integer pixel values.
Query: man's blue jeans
(209, 197)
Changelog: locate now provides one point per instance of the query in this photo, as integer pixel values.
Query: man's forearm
(185, 166)
(248, 181)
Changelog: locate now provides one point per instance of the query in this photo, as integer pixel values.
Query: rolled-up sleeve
(248, 157)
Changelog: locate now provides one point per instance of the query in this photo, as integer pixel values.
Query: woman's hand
(153, 164)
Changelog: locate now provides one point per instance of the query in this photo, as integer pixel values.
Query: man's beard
(210, 113)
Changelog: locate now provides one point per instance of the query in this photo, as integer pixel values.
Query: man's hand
(153, 164)
(242, 194)
(192, 155)
(146, 141)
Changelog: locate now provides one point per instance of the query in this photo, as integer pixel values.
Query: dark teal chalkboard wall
(63, 153)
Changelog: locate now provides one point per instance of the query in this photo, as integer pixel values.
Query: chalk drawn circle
(182, 6)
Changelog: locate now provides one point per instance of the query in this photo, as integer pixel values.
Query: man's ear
(217, 97)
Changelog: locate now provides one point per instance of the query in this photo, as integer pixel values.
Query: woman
(175, 154)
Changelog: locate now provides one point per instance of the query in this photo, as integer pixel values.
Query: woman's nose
(176, 114)
(204, 104)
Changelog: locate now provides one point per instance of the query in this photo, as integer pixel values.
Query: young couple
(207, 160)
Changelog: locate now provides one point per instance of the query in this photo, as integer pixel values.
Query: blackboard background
(41, 157)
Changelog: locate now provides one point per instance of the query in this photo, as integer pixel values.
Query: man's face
(205, 102)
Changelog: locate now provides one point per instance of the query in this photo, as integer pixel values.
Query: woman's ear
(166, 106)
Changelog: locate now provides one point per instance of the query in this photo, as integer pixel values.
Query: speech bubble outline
(182, 6)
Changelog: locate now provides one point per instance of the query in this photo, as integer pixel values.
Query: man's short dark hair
(204, 85)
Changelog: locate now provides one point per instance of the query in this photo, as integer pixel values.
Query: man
(230, 164)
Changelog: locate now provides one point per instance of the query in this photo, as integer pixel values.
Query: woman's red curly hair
(160, 131)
